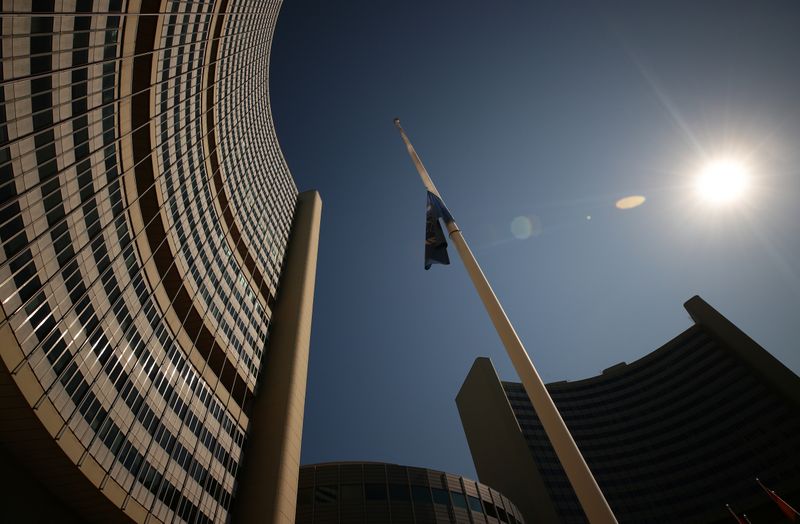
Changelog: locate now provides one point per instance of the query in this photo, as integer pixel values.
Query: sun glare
(722, 181)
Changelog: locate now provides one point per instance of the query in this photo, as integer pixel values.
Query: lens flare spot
(629, 202)
(522, 227)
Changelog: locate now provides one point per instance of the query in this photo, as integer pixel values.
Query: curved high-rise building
(380, 493)
(147, 222)
(671, 437)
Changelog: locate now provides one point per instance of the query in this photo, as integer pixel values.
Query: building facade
(378, 493)
(672, 437)
(147, 220)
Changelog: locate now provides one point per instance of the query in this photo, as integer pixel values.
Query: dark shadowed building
(156, 266)
(671, 437)
(378, 493)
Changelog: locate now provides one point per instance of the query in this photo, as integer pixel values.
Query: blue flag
(435, 239)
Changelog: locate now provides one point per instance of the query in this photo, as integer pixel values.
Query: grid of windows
(670, 438)
(152, 383)
(202, 247)
(370, 492)
(264, 233)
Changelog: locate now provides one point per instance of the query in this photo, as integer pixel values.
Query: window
(399, 492)
(421, 494)
(351, 493)
(325, 494)
(459, 500)
(440, 496)
(375, 492)
(475, 503)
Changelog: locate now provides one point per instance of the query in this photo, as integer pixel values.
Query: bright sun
(722, 181)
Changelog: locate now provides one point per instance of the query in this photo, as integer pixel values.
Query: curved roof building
(378, 493)
(147, 221)
(671, 437)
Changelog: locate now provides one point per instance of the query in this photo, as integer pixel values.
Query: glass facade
(145, 210)
(377, 493)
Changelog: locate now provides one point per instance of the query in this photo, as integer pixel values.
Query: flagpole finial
(397, 121)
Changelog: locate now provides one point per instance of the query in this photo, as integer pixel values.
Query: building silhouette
(156, 266)
(379, 493)
(671, 437)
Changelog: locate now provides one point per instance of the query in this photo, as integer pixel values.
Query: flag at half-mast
(784, 506)
(435, 238)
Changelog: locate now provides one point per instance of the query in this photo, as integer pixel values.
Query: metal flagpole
(591, 498)
(734, 515)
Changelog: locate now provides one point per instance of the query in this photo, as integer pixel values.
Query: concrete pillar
(499, 450)
(267, 490)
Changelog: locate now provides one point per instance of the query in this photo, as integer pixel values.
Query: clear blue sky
(547, 110)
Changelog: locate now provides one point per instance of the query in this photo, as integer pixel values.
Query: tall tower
(148, 221)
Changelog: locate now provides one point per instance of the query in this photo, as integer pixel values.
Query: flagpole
(734, 515)
(784, 506)
(589, 495)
